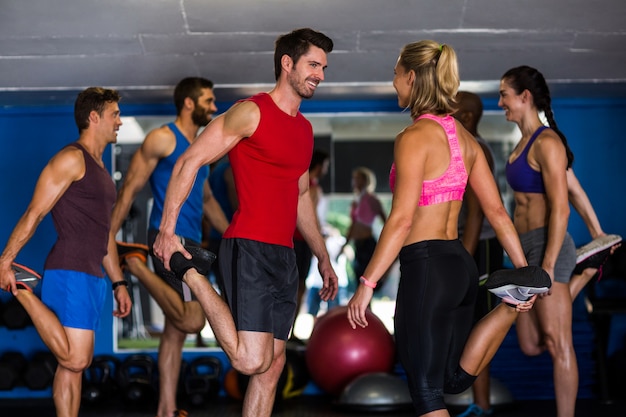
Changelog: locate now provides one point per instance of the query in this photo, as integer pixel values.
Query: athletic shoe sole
(129, 250)
(201, 260)
(596, 246)
(25, 278)
(518, 285)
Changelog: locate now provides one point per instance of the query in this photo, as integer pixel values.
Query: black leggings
(433, 319)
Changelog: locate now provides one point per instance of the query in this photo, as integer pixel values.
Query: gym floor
(305, 406)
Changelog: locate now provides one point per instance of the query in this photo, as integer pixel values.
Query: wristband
(367, 283)
(119, 283)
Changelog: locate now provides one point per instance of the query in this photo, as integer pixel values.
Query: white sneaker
(596, 246)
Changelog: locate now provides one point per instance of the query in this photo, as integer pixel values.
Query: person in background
(78, 190)
(153, 162)
(365, 208)
(269, 144)
(317, 169)
(602, 245)
(435, 158)
(479, 239)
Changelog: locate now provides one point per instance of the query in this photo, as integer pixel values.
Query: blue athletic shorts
(261, 285)
(75, 297)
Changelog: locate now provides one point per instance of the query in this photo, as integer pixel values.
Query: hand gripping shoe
(25, 278)
(201, 260)
(516, 286)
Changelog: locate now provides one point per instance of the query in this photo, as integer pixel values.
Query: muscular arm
(62, 170)
(550, 155)
(475, 216)
(484, 186)
(580, 201)
(158, 144)
(308, 226)
(410, 162)
(221, 135)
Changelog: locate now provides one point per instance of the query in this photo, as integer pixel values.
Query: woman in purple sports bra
(434, 159)
(537, 172)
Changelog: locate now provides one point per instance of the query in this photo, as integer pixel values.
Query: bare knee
(192, 319)
(529, 348)
(75, 363)
(251, 365)
(258, 363)
(560, 348)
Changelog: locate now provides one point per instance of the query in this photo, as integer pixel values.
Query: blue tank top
(189, 224)
(521, 177)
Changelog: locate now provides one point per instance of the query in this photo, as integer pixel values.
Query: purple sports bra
(521, 177)
(449, 186)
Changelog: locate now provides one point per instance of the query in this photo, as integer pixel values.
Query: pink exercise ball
(336, 353)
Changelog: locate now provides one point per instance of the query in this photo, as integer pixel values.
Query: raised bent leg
(72, 348)
(186, 316)
(486, 337)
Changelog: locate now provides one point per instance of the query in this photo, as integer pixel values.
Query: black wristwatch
(118, 283)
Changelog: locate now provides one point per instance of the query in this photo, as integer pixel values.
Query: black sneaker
(595, 253)
(25, 278)
(201, 260)
(129, 250)
(516, 286)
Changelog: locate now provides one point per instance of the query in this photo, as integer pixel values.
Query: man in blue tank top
(153, 162)
(77, 188)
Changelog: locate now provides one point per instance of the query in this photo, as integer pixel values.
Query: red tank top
(266, 167)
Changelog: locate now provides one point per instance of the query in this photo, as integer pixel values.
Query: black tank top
(82, 219)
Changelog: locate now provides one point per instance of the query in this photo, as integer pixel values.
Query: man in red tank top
(269, 144)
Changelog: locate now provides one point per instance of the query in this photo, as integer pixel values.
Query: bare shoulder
(159, 142)
(548, 141)
(242, 118)
(69, 162)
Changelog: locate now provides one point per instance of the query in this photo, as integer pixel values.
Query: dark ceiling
(51, 49)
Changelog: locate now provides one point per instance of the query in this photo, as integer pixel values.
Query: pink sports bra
(451, 185)
(365, 209)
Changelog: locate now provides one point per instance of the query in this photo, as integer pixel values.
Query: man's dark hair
(189, 87)
(297, 43)
(318, 158)
(92, 99)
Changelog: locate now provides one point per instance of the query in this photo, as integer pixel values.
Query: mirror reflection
(359, 153)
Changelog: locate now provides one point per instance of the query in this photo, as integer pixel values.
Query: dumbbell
(202, 379)
(40, 370)
(137, 380)
(99, 380)
(12, 364)
(14, 316)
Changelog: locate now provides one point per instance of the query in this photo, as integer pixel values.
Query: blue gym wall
(31, 135)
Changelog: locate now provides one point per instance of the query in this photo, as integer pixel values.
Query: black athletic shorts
(260, 284)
